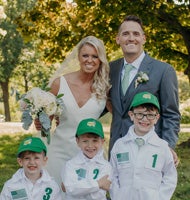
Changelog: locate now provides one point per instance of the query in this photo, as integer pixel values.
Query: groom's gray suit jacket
(162, 83)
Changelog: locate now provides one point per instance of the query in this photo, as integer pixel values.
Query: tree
(30, 71)
(10, 47)
(166, 26)
(61, 25)
(48, 23)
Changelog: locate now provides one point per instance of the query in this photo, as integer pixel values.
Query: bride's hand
(57, 120)
(37, 124)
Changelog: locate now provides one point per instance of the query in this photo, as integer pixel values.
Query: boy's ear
(45, 160)
(77, 140)
(157, 118)
(131, 115)
(103, 140)
(19, 160)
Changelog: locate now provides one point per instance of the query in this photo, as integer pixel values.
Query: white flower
(42, 100)
(141, 78)
(40, 104)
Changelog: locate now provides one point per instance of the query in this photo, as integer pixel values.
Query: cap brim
(36, 149)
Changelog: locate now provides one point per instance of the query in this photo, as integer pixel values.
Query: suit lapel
(116, 83)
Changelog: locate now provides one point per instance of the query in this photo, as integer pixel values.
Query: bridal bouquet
(41, 104)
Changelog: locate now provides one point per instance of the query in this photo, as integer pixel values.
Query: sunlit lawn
(8, 164)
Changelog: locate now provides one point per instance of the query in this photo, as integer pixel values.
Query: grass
(8, 164)
(183, 150)
(8, 148)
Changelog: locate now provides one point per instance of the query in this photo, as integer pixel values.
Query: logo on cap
(27, 142)
(147, 96)
(91, 124)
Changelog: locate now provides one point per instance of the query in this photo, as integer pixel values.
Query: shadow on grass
(185, 144)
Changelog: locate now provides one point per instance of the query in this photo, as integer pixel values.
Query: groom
(146, 74)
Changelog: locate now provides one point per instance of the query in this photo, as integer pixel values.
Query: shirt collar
(21, 175)
(98, 158)
(136, 63)
(132, 135)
(151, 137)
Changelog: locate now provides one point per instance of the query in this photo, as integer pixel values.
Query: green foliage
(61, 25)
(10, 48)
(183, 187)
(184, 95)
(185, 116)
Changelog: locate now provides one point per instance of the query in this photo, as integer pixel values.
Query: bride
(85, 93)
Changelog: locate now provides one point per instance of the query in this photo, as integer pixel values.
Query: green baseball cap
(143, 98)
(34, 144)
(90, 126)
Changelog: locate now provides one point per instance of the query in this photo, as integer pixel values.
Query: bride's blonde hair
(101, 85)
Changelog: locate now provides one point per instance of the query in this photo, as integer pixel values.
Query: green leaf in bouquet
(27, 101)
(59, 96)
(46, 125)
(46, 133)
(26, 119)
(47, 89)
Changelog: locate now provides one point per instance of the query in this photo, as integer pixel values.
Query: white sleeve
(101, 194)
(5, 195)
(115, 177)
(77, 187)
(57, 191)
(169, 180)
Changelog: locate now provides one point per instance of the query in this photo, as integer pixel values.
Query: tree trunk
(5, 86)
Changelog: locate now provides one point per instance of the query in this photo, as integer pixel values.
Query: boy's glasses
(148, 116)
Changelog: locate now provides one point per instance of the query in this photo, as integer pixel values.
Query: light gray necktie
(140, 142)
(125, 81)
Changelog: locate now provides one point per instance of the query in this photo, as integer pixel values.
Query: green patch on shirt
(19, 194)
(81, 173)
(122, 157)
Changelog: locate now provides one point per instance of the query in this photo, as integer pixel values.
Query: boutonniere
(142, 77)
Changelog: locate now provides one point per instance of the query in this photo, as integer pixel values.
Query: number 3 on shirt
(48, 193)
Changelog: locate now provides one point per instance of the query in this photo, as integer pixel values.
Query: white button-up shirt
(147, 173)
(80, 176)
(19, 187)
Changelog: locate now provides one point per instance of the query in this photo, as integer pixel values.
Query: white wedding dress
(63, 143)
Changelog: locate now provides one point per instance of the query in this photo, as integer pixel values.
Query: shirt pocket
(123, 160)
(153, 170)
(124, 166)
(154, 161)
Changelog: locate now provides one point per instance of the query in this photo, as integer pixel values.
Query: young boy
(86, 176)
(31, 181)
(143, 166)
